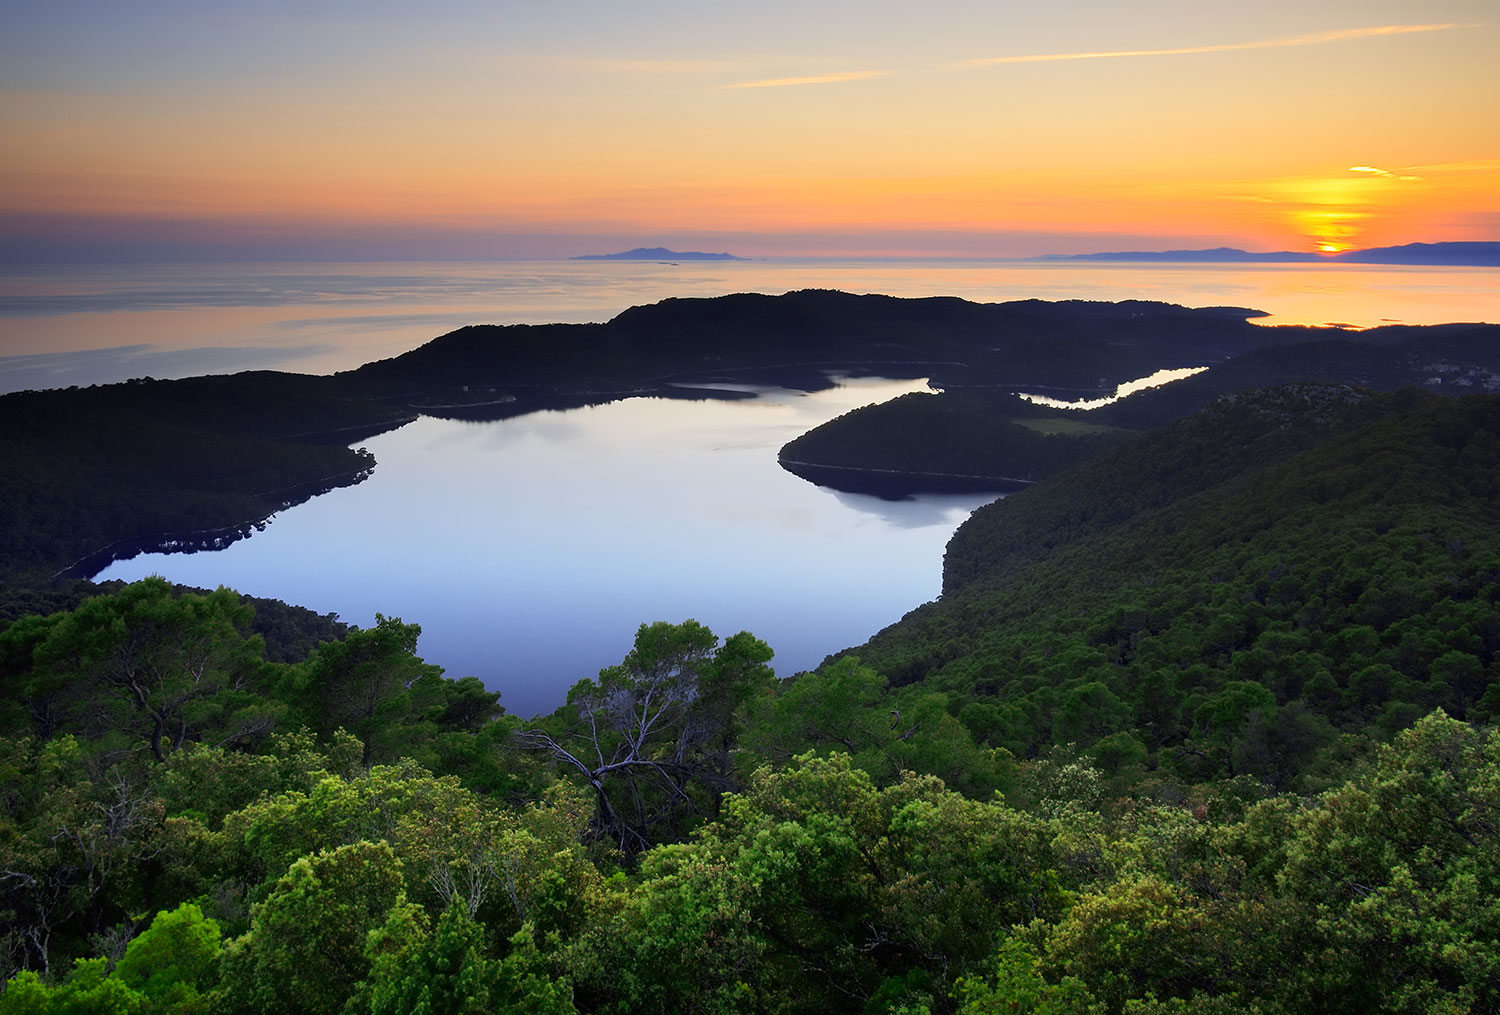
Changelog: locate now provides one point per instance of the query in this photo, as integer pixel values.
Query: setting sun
(490, 131)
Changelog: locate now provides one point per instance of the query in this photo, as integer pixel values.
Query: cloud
(1316, 39)
(816, 79)
(1476, 166)
(1384, 174)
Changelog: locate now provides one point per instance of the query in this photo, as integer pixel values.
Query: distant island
(1481, 255)
(656, 254)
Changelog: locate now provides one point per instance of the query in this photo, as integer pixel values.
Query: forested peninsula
(984, 436)
(1203, 722)
(106, 471)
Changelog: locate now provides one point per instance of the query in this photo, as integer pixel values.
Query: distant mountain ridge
(656, 254)
(1473, 254)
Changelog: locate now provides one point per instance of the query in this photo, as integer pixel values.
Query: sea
(530, 549)
(91, 324)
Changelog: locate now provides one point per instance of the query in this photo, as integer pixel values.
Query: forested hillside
(1235, 594)
(987, 432)
(1071, 342)
(195, 462)
(1203, 725)
(995, 439)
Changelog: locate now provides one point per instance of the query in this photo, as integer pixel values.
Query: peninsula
(98, 473)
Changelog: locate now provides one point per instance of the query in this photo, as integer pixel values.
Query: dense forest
(1201, 724)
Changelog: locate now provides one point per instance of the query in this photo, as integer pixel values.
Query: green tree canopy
(646, 731)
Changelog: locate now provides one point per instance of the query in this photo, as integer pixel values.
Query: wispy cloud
(815, 79)
(1476, 166)
(1316, 39)
(1384, 174)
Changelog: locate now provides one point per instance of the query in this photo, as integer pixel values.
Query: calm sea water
(530, 549)
(92, 324)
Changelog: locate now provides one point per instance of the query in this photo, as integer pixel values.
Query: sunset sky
(323, 128)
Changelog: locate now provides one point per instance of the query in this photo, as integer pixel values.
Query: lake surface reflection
(530, 549)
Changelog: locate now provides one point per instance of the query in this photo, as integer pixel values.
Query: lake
(530, 549)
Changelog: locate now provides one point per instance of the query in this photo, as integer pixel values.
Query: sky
(177, 129)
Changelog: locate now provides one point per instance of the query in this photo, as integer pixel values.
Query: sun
(1329, 248)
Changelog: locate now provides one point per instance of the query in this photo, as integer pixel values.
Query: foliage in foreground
(391, 890)
(1087, 796)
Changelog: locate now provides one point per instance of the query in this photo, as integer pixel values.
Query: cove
(529, 549)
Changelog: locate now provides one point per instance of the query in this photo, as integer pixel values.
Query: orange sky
(777, 128)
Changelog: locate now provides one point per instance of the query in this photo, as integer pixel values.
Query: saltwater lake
(530, 549)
